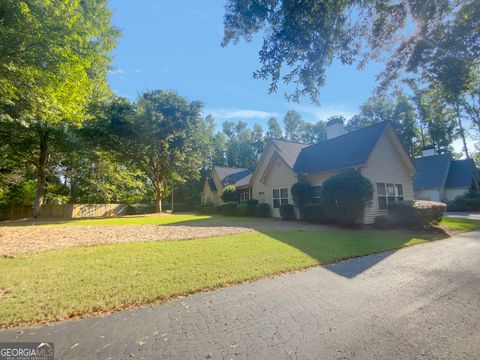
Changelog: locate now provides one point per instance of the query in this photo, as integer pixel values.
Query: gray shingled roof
(463, 173)
(230, 176)
(289, 150)
(345, 151)
(438, 171)
(211, 184)
(432, 171)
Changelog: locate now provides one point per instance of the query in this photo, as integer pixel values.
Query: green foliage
(228, 208)
(229, 193)
(274, 130)
(316, 214)
(208, 209)
(163, 136)
(287, 212)
(263, 210)
(251, 206)
(386, 222)
(468, 202)
(242, 210)
(418, 213)
(301, 40)
(302, 193)
(345, 197)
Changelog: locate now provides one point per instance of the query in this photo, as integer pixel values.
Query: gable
(432, 171)
(345, 151)
(462, 174)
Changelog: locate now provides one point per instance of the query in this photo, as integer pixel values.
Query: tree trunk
(158, 200)
(462, 132)
(41, 174)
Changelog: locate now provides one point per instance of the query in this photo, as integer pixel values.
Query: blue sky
(175, 45)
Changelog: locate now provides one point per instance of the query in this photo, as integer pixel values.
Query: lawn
(460, 224)
(54, 285)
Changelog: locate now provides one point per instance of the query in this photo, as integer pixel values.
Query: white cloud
(323, 112)
(240, 114)
(117, 71)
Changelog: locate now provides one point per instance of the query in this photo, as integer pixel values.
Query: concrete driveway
(421, 302)
(465, 215)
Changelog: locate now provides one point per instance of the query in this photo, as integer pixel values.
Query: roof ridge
(230, 167)
(384, 122)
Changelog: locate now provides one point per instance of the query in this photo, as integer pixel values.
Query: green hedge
(287, 212)
(229, 208)
(468, 202)
(263, 210)
(316, 214)
(386, 222)
(417, 213)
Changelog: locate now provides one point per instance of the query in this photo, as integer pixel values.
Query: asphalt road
(421, 302)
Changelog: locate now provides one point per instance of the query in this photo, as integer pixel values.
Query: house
(440, 178)
(221, 177)
(376, 151)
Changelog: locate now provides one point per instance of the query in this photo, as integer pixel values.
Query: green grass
(460, 224)
(56, 285)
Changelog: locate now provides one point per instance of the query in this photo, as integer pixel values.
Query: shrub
(228, 208)
(385, 222)
(302, 193)
(242, 210)
(140, 209)
(262, 210)
(251, 206)
(229, 194)
(415, 213)
(207, 209)
(287, 212)
(315, 213)
(345, 196)
(468, 202)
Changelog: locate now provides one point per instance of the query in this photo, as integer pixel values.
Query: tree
(302, 193)
(294, 126)
(314, 133)
(345, 197)
(54, 61)
(405, 122)
(374, 110)
(302, 39)
(229, 194)
(162, 135)
(274, 130)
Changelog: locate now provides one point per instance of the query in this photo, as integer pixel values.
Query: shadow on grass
(358, 248)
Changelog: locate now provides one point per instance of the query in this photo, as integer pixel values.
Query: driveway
(421, 302)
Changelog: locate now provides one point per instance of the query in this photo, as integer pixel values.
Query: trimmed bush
(251, 206)
(345, 197)
(287, 212)
(207, 209)
(314, 213)
(242, 210)
(385, 222)
(229, 194)
(229, 208)
(468, 202)
(263, 210)
(417, 213)
(302, 193)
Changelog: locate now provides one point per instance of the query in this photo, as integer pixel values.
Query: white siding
(386, 165)
(428, 194)
(279, 175)
(451, 194)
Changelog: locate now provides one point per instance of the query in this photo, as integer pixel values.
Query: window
(388, 193)
(280, 197)
(317, 193)
(244, 196)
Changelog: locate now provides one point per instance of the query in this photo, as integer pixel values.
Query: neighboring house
(376, 151)
(440, 178)
(223, 176)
